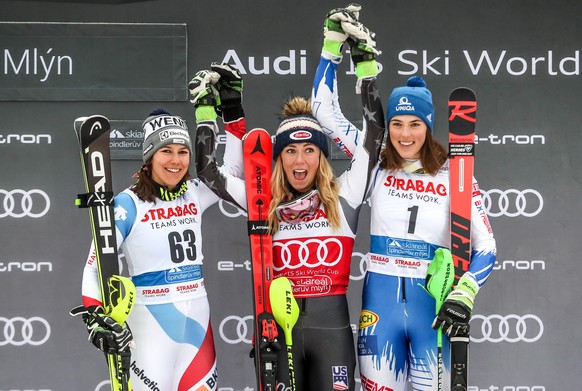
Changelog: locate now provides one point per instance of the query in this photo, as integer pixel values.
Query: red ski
(462, 119)
(257, 166)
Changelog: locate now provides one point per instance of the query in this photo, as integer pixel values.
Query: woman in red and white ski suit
(159, 231)
(313, 217)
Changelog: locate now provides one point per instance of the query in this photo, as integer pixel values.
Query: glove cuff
(230, 114)
(332, 47)
(469, 285)
(205, 113)
(366, 69)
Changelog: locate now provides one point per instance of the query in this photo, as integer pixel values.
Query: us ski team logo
(340, 377)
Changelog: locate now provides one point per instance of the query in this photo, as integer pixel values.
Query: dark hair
(432, 155)
(146, 189)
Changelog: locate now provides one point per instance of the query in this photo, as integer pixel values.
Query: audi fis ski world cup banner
(61, 60)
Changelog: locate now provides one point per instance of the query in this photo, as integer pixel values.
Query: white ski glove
(456, 311)
(204, 93)
(333, 33)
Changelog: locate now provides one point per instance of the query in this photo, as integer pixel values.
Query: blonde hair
(325, 180)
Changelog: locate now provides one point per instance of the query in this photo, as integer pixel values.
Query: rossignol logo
(404, 105)
(461, 239)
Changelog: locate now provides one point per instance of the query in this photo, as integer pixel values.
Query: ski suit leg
(174, 346)
(395, 340)
(323, 347)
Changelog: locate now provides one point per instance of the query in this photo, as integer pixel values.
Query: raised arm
(207, 96)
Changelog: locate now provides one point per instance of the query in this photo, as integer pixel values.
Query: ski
(462, 119)
(117, 293)
(257, 151)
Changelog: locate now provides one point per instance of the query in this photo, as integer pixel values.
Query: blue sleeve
(125, 213)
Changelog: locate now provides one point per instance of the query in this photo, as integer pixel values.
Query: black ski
(117, 293)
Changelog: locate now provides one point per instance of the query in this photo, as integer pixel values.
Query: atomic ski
(117, 293)
(257, 166)
(462, 119)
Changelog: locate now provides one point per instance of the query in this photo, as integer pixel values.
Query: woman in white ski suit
(159, 231)
(409, 199)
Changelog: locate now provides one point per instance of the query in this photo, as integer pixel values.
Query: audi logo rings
(20, 203)
(225, 206)
(509, 328)
(239, 329)
(360, 271)
(297, 253)
(512, 202)
(19, 331)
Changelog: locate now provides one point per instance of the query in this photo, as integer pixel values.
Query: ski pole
(439, 280)
(286, 313)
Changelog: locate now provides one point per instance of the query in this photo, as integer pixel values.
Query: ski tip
(255, 130)
(462, 93)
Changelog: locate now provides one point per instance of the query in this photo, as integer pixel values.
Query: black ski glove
(104, 332)
(230, 89)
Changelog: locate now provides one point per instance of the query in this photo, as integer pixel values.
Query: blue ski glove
(104, 332)
(456, 311)
(230, 89)
(333, 33)
(204, 94)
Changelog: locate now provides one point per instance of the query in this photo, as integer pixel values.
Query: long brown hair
(325, 180)
(432, 155)
(145, 188)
